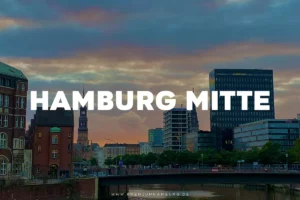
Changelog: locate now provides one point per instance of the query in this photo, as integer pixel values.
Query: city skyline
(123, 46)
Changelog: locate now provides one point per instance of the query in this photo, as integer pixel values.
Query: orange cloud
(90, 16)
(11, 22)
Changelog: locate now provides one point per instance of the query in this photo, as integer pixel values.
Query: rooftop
(11, 71)
(54, 118)
(269, 121)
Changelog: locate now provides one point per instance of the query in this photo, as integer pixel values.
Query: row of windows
(8, 83)
(240, 86)
(246, 113)
(4, 101)
(40, 134)
(245, 79)
(54, 152)
(19, 143)
(19, 121)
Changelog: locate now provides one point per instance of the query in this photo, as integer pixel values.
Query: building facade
(114, 150)
(223, 121)
(13, 100)
(201, 140)
(132, 149)
(256, 134)
(156, 137)
(51, 140)
(145, 148)
(177, 123)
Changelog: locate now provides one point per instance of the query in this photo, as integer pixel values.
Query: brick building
(132, 149)
(13, 98)
(51, 139)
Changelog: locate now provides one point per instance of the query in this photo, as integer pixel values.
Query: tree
(108, 161)
(94, 161)
(148, 159)
(270, 153)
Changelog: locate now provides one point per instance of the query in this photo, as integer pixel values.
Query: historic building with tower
(84, 148)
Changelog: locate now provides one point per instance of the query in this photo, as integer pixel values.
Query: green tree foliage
(94, 161)
(108, 161)
(269, 154)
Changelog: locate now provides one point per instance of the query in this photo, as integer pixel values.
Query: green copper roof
(11, 71)
(55, 130)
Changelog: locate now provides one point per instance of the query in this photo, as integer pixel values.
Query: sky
(109, 45)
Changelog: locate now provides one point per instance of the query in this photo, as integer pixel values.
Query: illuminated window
(39, 148)
(54, 154)
(54, 139)
(40, 134)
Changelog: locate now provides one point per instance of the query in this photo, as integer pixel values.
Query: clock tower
(82, 126)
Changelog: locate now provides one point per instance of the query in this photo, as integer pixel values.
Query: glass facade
(200, 140)
(223, 121)
(284, 132)
(177, 123)
(156, 137)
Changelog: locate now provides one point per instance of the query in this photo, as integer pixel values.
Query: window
(17, 86)
(7, 83)
(39, 148)
(22, 102)
(21, 143)
(21, 122)
(5, 120)
(54, 153)
(6, 101)
(17, 122)
(38, 170)
(40, 134)
(17, 102)
(23, 87)
(1, 100)
(0, 120)
(54, 139)
(1, 81)
(16, 143)
(70, 134)
(69, 148)
(3, 141)
(3, 165)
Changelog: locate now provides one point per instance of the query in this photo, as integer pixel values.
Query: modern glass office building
(222, 121)
(177, 123)
(156, 137)
(256, 134)
(201, 140)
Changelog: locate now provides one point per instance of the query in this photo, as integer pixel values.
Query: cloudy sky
(149, 45)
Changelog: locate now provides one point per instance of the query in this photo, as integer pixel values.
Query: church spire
(83, 90)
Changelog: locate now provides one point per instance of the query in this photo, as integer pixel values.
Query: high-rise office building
(222, 121)
(177, 123)
(156, 137)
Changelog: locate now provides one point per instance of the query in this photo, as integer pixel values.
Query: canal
(208, 192)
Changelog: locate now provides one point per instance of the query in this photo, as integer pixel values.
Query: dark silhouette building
(222, 121)
(13, 100)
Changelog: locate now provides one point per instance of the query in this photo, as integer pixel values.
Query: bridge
(203, 178)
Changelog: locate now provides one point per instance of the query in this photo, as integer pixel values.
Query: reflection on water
(193, 192)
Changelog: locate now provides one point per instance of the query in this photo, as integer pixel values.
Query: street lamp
(287, 161)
